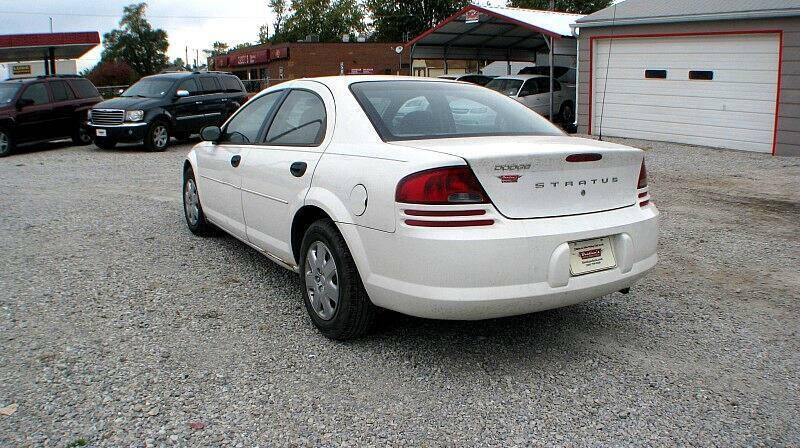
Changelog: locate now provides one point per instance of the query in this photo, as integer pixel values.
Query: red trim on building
(464, 10)
(49, 39)
(707, 33)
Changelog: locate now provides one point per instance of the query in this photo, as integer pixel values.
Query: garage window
(702, 75)
(655, 74)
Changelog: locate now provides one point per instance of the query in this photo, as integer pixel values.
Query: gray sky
(192, 23)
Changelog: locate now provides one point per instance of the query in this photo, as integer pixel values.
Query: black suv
(44, 108)
(165, 105)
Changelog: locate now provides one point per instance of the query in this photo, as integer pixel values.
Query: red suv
(45, 108)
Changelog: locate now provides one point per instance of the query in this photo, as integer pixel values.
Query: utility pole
(51, 25)
(196, 58)
(186, 54)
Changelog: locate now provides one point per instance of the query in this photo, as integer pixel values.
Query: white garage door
(644, 89)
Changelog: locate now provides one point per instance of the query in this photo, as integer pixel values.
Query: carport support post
(551, 78)
(52, 61)
(508, 61)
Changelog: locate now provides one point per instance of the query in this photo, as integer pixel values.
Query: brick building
(310, 59)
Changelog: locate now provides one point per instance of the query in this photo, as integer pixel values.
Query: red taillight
(450, 185)
(642, 177)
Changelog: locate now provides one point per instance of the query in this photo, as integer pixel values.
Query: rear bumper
(511, 267)
(128, 132)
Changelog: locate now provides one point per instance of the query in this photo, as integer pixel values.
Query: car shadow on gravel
(41, 147)
(502, 343)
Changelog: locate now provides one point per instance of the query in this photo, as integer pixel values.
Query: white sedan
(380, 196)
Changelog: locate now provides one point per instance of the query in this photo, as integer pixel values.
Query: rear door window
(209, 84)
(61, 91)
(36, 92)
(300, 121)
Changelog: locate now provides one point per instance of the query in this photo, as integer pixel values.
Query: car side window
(529, 88)
(232, 84)
(61, 92)
(544, 85)
(190, 85)
(209, 84)
(36, 92)
(300, 121)
(245, 126)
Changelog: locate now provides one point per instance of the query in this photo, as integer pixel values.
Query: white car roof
(521, 77)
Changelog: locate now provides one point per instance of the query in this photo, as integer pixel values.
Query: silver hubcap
(322, 280)
(3, 142)
(160, 136)
(191, 202)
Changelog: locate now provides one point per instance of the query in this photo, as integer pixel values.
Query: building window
(702, 75)
(655, 74)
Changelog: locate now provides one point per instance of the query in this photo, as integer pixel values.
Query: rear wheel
(333, 293)
(80, 137)
(105, 143)
(157, 136)
(6, 143)
(567, 113)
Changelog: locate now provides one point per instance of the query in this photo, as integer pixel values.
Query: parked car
(158, 107)
(474, 78)
(534, 92)
(44, 108)
(565, 75)
(429, 215)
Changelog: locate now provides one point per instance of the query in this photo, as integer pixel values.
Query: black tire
(6, 143)
(105, 143)
(353, 314)
(199, 225)
(80, 137)
(567, 113)
(157, 136)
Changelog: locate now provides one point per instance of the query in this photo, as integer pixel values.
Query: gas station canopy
(46, 46)
(493, 33)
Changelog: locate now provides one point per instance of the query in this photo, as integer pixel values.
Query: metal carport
(498, 34)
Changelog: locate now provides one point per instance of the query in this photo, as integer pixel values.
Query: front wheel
(6, 143)
(192, 209)
(333, 293)
(157, 136)
(80, 137)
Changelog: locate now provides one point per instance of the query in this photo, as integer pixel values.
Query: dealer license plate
(591, 256)
(100, 132)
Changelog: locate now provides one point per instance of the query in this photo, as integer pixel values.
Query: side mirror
(211, 133)
(24, 102)
(182, 93)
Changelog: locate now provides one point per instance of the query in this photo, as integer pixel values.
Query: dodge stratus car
(380, 196)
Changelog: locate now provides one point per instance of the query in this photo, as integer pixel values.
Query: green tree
(281, 9)
(570, 6)
(330, 20)
(136, 43)
(177, 64)
(217, 48)
(400, 20)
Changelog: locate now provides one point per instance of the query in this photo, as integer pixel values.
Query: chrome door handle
(198, 102)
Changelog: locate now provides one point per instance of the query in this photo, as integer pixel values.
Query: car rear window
(232, 84)
(84, 88)
(508, 87)
(412, 110)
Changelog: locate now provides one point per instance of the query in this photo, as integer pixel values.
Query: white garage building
(721, 73)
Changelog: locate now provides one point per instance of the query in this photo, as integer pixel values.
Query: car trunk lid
(535, 177)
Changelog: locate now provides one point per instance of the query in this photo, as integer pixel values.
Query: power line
(117, 16)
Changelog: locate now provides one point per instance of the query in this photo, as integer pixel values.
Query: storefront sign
(473, 16)
(19, 70)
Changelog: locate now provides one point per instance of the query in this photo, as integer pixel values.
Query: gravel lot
(118, 327)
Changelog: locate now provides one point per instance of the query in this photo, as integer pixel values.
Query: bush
(111, 73)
